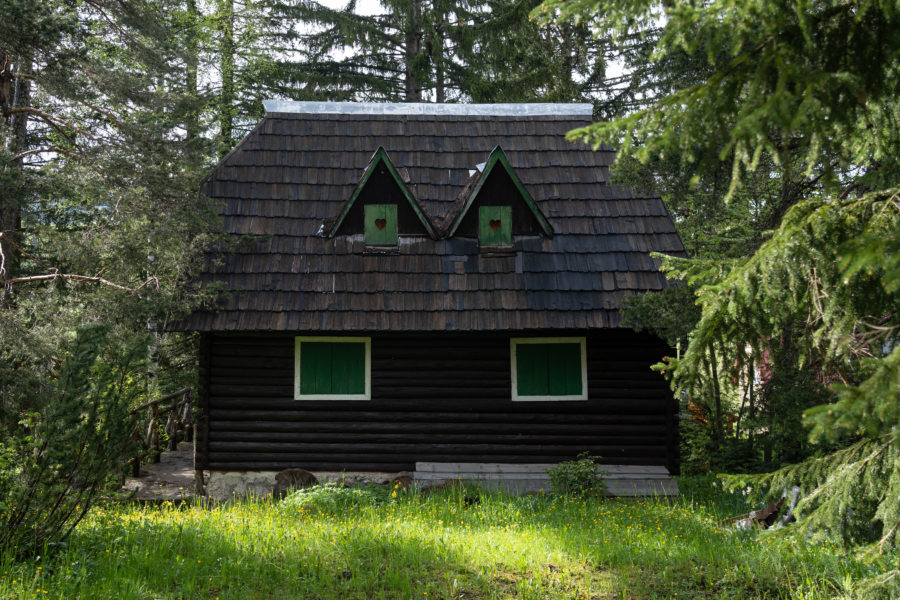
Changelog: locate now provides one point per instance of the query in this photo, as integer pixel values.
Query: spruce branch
(55, 122)
(47, 149)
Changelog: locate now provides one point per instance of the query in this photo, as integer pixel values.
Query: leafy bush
(334, 497)
(58, 455)
(580, 477)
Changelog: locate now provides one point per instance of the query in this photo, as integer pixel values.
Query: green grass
(366, 544)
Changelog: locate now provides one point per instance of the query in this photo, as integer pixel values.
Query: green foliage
(671, 313)
(796, 276)
(804, 89)
(777, 67)
(333, 497)
(849, 496)
(581, 478)
(56, 460)
(415, 50)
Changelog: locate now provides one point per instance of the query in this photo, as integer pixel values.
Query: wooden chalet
(431, 284)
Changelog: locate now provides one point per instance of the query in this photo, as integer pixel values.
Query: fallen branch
(53, 121)
(8, 283)
(68, 277)
(42, 150)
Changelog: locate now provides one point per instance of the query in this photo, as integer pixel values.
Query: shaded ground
(172, 478)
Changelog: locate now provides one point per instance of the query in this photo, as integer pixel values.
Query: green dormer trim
(498, 157)
(381, 158)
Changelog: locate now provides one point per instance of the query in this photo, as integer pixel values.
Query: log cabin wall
(435, 397)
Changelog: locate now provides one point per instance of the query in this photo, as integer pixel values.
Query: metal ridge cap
(426, 108)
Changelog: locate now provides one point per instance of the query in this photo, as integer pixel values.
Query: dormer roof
(400, 177)
(480, 175)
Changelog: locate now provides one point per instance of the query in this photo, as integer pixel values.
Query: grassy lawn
(368, 544)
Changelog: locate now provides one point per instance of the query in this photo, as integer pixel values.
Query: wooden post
(172, 425)
(199, 484)
(154, 432)
(188, 419)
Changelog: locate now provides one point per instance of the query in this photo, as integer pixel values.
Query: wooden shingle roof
(296, 170)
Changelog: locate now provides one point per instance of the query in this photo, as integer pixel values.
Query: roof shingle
(294, 171)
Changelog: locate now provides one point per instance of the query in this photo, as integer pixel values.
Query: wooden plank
(394, 425)
(628, 477)
(381, 224)
(447, 401)
(495, 226)
(532, 378)
(622, 487)
(451, 467)
(348, 368)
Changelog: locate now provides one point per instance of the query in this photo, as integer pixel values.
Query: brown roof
(294, 171)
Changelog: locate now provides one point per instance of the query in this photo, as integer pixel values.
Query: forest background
(770, 130)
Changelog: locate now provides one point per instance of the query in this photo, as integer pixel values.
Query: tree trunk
(192, 118)
(413, 92)
(226, 109)
(718, 426)
(751, 410)
(437, 51)
(19, 88)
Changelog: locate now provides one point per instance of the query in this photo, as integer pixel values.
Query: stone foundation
(227, 485)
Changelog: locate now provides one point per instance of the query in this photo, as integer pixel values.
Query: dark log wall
(434, 398)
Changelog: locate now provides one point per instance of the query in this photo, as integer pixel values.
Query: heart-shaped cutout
(495, 224)
(380, 223)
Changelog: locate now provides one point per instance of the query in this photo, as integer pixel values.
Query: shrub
(333, 497)
(580, 477)
(57, 457)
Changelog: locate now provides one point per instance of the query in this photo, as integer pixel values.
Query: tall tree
(99, 178)
(817, 81)
(431, 50)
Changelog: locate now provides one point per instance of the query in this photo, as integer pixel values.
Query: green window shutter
(549, 369)
(564, 369)
(381, 224)
(495, 225)
(531, 369)
(348, 370)
(315, 368)
(332, 368)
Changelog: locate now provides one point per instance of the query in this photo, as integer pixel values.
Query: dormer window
(381, 224)
(495, 206)
(382, 207)
(495, 226)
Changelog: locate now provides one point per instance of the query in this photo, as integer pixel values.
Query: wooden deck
(623, 480)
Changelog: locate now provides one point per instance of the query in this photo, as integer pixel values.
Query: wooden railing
(178, 409)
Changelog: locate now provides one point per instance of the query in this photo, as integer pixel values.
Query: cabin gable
(495, 186)
(381, 206)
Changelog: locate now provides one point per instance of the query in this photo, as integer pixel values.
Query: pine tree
(102, 182)
(420, 50)
(812, 85)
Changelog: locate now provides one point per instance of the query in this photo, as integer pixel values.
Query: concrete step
(622, 480)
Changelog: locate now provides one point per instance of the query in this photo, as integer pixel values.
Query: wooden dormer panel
(398, 212)
(499, 190)
(495, 184)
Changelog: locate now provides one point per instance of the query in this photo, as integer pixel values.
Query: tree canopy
(814, 87)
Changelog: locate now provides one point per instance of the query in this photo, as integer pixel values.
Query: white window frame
(298, 341)
(582, 342)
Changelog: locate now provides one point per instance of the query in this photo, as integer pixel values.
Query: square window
(495, 226)
(381, 224)
(548, 368)
(332, 368)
